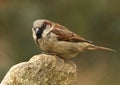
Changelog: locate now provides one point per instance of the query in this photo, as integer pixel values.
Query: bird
(53, 38)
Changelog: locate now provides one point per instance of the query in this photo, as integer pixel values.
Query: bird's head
(41, 28)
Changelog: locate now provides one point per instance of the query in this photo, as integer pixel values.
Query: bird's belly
(60, 48)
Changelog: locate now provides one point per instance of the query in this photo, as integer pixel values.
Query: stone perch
(42, 70)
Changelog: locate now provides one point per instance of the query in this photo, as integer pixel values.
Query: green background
(95, 20)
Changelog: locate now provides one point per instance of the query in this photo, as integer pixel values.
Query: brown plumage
(57, 39)
(66, 35)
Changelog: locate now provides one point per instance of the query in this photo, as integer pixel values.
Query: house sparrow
(56, 39)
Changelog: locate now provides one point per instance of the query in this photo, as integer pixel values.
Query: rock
(42, 70)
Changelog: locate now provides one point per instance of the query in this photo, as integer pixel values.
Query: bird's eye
(44, 26)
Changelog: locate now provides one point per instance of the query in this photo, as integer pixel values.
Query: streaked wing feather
(66, 35)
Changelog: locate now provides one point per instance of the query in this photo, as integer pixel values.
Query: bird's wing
(66, 35)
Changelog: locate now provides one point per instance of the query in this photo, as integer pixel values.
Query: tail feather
(93, 47)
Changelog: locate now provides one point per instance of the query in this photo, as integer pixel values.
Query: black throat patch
(39, 30)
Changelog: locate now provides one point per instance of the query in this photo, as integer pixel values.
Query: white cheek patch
(46, 31)
(34, 34)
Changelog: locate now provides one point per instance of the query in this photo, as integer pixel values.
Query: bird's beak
(36, 30)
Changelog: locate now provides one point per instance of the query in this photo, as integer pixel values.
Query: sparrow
(54, 38)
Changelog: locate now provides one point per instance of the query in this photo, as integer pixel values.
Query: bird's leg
(47, 53)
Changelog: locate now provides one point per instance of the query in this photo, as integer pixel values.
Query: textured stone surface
(42, 70)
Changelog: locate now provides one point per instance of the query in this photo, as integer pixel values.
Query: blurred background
(95, 20)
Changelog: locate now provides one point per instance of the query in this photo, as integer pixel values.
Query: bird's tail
(94, 47)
